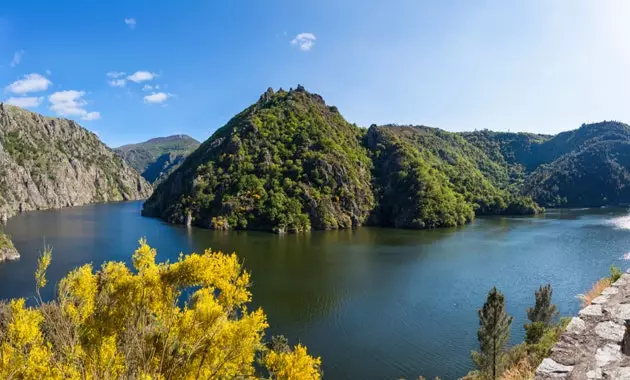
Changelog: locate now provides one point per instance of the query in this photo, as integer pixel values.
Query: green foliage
(541, 315)
(550, 336)
(5, 241)
(493, 336)
(288, 163)
(615, 273)
(410, 192)
(586, 167)
(425, 177)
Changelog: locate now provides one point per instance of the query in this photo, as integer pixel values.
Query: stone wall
(593, 345)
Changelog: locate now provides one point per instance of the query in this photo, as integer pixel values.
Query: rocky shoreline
(8, 254)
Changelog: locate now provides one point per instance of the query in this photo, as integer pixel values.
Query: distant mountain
(586, 167)
(155, 159)
(51, 163)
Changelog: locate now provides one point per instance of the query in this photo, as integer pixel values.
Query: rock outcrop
(592, 346)
(52, 163)
(7, 250)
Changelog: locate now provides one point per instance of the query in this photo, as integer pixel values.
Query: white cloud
(304, 40)
(30, 83)
(148, 87)
(92, 116)
(157, 98)
(115, 74)
(17, 58)
(131, 22)
(25, 102)
(117, 82)
(71, 103)
(141, 76)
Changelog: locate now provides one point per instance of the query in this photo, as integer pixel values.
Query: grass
(523, 370)
(595, 291)
(599, 286)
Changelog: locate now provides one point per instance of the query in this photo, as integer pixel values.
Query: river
(373, 303)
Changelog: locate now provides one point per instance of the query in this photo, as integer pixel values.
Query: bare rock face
(53, 163)
(8, 253)
(593, 345)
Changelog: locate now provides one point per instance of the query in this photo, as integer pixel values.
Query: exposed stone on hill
(52, 163)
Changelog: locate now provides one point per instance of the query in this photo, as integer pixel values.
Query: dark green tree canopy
(493, 336)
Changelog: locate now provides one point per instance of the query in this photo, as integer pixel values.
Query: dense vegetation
(495, 360)
(586, 167)
(292, 163)
(426, 177)
(183, 320)
(286, 163)
(155, 159)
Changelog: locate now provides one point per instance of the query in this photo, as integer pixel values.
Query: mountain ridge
(157, 157)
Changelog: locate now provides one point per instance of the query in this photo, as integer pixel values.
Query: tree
(541, 315)
(183, 320)
(493, 336)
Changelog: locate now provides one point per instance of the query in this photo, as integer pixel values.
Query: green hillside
(287, 163)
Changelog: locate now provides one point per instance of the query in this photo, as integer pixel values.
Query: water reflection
(374, 303)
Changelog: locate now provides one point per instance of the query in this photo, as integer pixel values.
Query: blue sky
(536, 65)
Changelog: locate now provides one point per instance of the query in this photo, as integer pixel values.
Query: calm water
(374, 303)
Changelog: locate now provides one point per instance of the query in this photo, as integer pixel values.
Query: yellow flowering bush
(183, 320)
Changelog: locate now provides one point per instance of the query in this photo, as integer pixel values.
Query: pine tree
(541, 315)
(493, 336)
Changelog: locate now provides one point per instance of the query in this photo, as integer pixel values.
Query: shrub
(183, 320)
(615, 273)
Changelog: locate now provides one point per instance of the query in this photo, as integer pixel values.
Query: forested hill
(426, 177)
(287, 163)
(156, 158)
(51, 163)
(586, 167)
(291, 163)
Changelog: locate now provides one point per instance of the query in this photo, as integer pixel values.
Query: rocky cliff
(52, 163)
